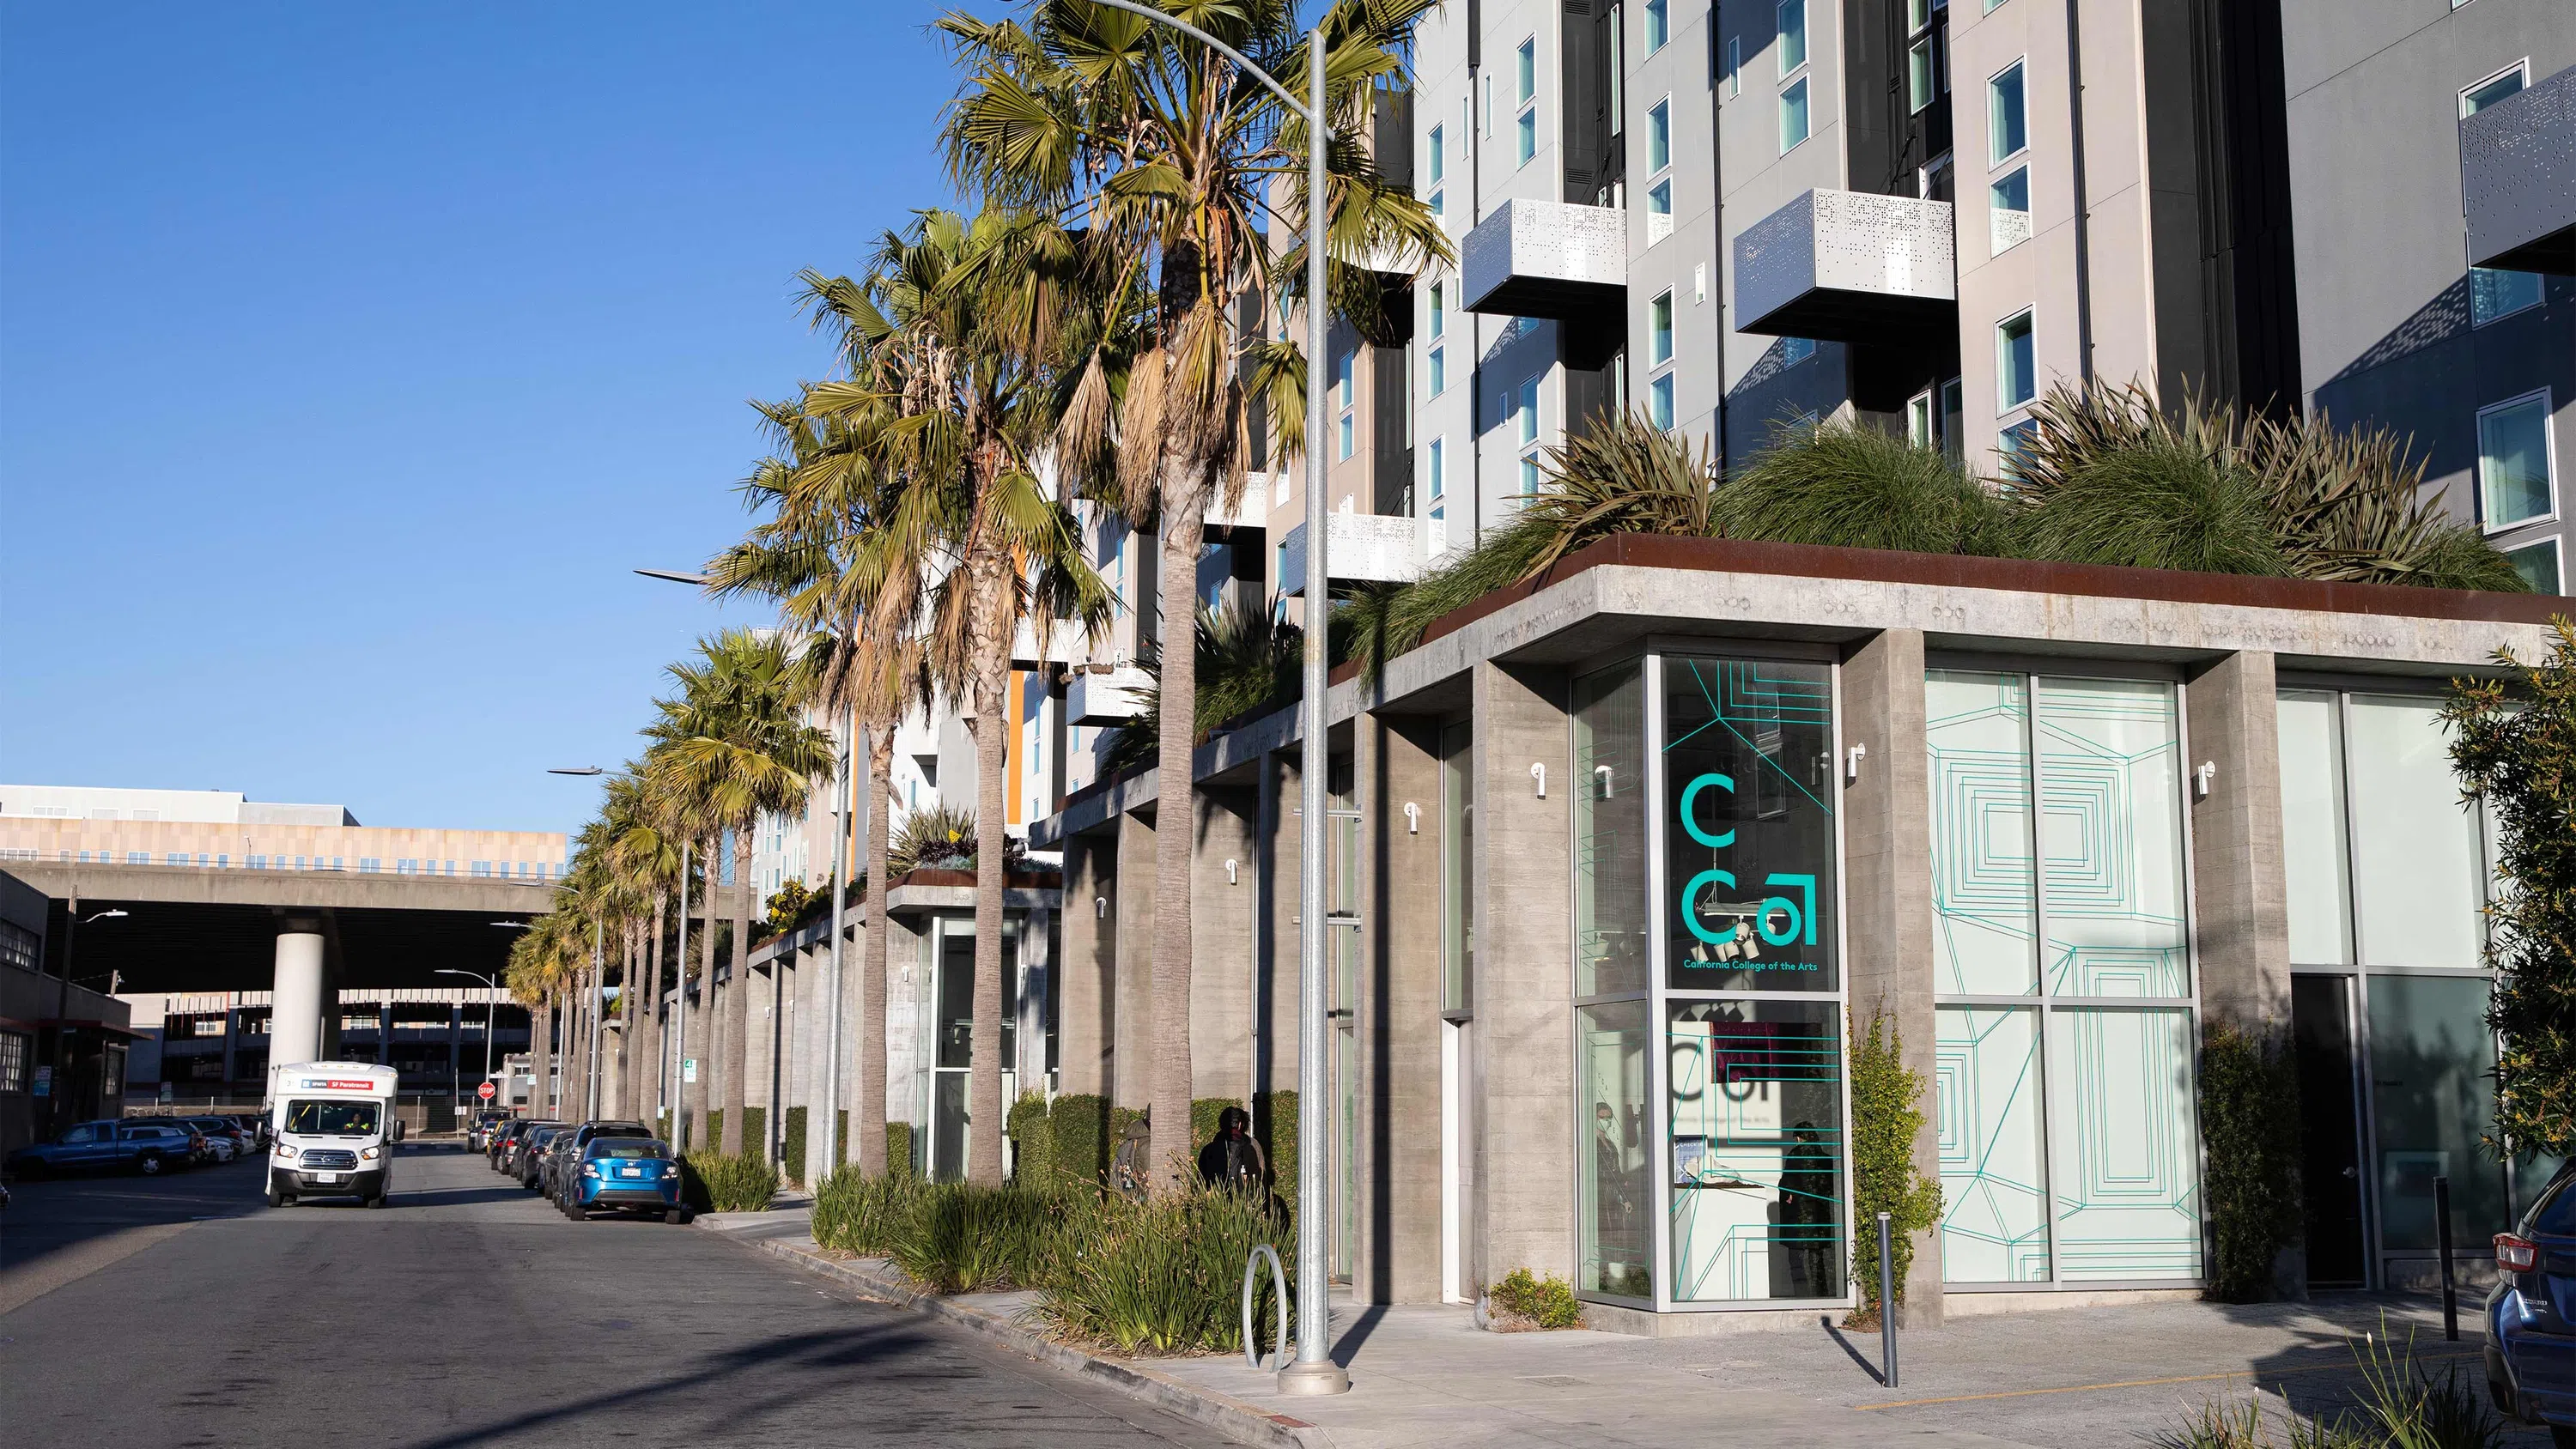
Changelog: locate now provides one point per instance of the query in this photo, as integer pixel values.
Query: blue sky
(352, 355)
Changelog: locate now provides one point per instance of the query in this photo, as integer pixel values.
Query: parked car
(2531, 1314)
(146, 1147)
(625, 1174)
(531, 1156)
(230, 1140)
(565, 1173)
(513, 1154)
(479, 1135)
(200, 1151)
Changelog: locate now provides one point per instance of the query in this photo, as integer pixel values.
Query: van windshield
(332, 1119)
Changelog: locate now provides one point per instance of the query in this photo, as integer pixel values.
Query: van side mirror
(398, 1129)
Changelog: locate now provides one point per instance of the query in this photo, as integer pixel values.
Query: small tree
(2514, 744)
(1887, 1115)
(2249, 1125)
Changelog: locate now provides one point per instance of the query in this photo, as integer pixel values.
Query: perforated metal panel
(1545, 259)
(2518, 179)
(1847, 266)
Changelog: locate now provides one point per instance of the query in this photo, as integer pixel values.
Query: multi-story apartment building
(1740, 214)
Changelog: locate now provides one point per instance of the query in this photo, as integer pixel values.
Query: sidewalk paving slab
(1425, 1376)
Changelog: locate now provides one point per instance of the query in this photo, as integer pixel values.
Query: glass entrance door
(953, 1054)
(2328, 1065)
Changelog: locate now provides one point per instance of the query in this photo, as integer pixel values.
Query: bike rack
(1279, 1279)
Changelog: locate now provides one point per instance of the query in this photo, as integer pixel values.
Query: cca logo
(1801, 913)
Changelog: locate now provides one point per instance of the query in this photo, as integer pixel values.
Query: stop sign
(484, 1091)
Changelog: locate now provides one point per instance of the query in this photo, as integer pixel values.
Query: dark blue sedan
(2531, 1316)
(626, 1174)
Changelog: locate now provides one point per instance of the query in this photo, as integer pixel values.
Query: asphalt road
(182, 1312)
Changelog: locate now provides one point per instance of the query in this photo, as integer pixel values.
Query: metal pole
(1886, 1305)
(680, 1014)
(1314, 1372)
(2442, 1235)
(591, 1009)
(827, 1131)
(489, 1007)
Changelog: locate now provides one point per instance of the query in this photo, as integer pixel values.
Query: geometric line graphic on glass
(1985, 899)
(2127, 1162)
(2111, 839)
(1994, 1223)
(1757, 1153)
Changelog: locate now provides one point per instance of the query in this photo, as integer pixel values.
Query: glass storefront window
(2125, 1145)
(1985, 890)
(1748, 825)
(1994, 1174)
(2416, 869)
(2312, 829)
(1609, 788)
(1457, 850)
(1615, 1200)
(2432, 1062)
(2111, 892)
(1757, 1149)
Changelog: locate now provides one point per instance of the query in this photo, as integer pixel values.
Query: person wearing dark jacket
(1233, 1161)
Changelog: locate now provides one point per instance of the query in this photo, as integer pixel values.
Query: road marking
(22, 1285)
(2137, 1383)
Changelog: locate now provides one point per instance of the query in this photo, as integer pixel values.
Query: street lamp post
(72, 922)
(490, 989)
(1313, 1371)
(828, 1132)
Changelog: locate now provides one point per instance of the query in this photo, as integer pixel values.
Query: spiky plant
(1857, 487)
(1247, 657)
(939, 838)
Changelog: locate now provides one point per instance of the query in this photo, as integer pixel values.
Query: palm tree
(691, 821)
(961, 333)
(747, 752)
(644, 856)
(1186, 165)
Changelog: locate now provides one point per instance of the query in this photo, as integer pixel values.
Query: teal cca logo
(1799, 913)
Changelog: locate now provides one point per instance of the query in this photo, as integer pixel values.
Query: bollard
(2442, 1236)
(1886, 1304)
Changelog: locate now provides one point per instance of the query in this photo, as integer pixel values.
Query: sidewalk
(2061, 1379)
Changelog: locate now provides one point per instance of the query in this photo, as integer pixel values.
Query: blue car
(2531, 1316)
(626, 1174)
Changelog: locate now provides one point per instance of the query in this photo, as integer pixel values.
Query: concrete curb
(1229, 1416)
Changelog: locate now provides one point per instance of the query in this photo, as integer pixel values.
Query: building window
(1439, 468)
(1734, 67)
(1439, 158)
(1794, 350)
(2494, 294)
(369, 865)
(2538, 565)
(1439, 379)
(1659, 401)
(13, 1061)
(2007, 116)
(1659, 211)
(1439, 309)
(2016, 363)
(1525, 433)
(18, 946)
(1345, 402)
(483, 869)
(2513, 462)
(1658, 25)
(2500, 86)
(1525, 79)
(2069, 1152)
(176, 857)
(1793, 115)
(1659, 136)
(2008, 210)
(1790, 18)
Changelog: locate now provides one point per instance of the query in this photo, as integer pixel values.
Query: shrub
(857, 1214)
(899, 1161)
(2162, 504)
(2249, 1124)
(755, 1129)
(1078, 1129)
(1887, 1116)
(1535, 1302)
(960, 1237)
(2405, 1406)
(1164, 1275)
(708, 1131)
(1274, 1124)
(1032, 1163)
(791, 1142)
(1857, 487)
(742, 1183)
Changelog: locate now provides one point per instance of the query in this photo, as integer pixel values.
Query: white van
(332, 1132)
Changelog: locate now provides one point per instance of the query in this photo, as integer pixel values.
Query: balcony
(2518, 179)
(1370, 548)
(1545, 259)
(1111, 698)
(1849, 266)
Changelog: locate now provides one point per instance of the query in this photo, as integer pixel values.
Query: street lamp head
(676, 576)
(103, 916)
(575, 770)
(511, 925)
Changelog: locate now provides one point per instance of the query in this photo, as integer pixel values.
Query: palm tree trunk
(541, 1041)
(1184, 528)
(696, 1041)
(868, 1113)
(992, 726)
(647, 1087)
(737, 1002)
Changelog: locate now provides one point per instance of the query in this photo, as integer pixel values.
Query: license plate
(326, 1177)
(630, 1172)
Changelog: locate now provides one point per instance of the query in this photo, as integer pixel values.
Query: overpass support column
(305, 999)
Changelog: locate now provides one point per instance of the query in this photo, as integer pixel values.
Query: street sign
(688, 1069)
(44, 1082)
(485, 1091)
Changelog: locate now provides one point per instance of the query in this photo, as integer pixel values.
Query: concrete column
(1524, 1036)
(1275, 1057)
(455, 1049)
(1887, 947)
(384, 1033)
(1088, 990)
(1131, 1041)
(1399, 1251)
(1222, 960)
(303, 998)
(232, 1035)
(2242, 895)
(1037, 962)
